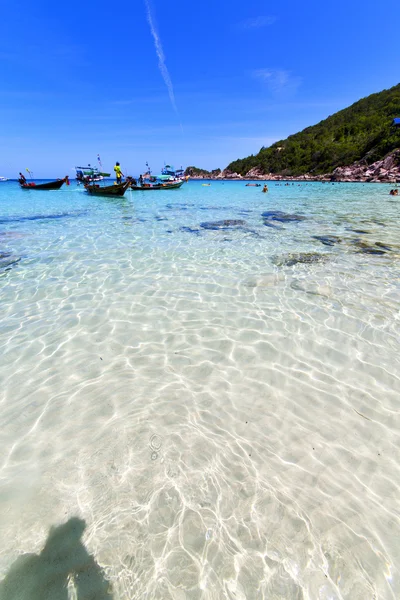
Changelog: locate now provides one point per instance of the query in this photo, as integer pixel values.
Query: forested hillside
(196, 172)
(362, 131)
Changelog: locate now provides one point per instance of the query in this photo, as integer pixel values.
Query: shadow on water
(63, 570)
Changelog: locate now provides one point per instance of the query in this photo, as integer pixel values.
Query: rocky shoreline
(386, 170)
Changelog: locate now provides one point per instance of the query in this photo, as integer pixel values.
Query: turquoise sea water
(204, 402)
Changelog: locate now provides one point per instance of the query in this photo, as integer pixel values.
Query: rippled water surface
(199, 401)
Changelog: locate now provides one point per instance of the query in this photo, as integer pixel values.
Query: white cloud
(257, 22)
(278, 80)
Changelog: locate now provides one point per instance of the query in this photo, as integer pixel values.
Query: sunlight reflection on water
(213, 392)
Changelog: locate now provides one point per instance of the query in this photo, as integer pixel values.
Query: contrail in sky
(161, 57)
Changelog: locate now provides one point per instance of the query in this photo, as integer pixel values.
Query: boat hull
(107, 190)
(50, 185)
(162, 186)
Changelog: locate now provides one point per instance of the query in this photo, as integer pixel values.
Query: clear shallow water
(218, 406)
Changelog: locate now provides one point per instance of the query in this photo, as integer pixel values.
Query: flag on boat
(98, 158)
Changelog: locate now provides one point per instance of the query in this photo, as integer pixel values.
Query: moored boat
(168, 171)
(89, 174)
(169, 176)
(3, 178)
(147, 187)
(117, 189)
(49, 185)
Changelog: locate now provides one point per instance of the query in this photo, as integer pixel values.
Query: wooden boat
(117, 189)
(89, 174)
(50, 185)
(169, 171)
(146, 187)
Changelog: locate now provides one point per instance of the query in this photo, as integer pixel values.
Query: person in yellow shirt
(118, 173)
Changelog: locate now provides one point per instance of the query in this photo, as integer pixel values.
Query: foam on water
(202, 400)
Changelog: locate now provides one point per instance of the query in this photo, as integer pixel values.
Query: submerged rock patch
(365, 248)
(327, 240)
(289, 260)
(384, 246)
(179, 206)
(374, 221)
(312, 287)
(276, 215)
(363, 231)
(190, 230)
(41, 217)
(221, 225)
(7, 260)
(372, 250)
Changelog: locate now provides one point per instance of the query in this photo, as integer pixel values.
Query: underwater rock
(327, 240)
(313, 288)
(372, 250)
(225, 224)
(215, 208)
(366, 248)
(7, 260)
(179, 206)
(384, 246)
(373, 222)
(281, 217)
(295, 258)
(272, 224)
(41, 217)
(190, 230)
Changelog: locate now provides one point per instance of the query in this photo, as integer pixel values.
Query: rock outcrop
(227, 174)
(386, 170)
(255, 173)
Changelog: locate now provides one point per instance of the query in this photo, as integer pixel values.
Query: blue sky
(187, 83)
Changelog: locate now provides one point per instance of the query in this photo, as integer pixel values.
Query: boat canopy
(170, 170)
(91, 171)
(396, 122)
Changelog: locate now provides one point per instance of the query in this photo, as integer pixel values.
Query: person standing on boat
(22, 178)
(118, 173)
